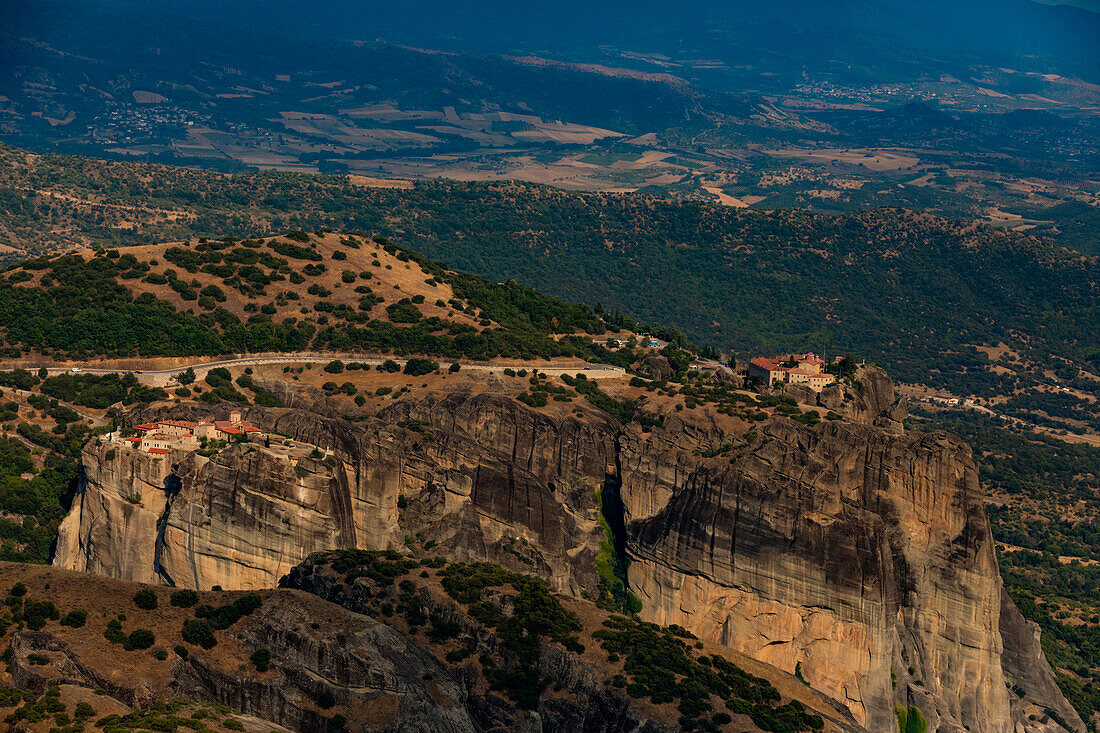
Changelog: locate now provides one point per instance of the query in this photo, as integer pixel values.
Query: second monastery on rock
(160, 437)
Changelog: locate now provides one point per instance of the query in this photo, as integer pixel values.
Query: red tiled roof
(764, 363)
(161, 451)
(149, 426)
(179, 423)
(773, 365)
(133, 440)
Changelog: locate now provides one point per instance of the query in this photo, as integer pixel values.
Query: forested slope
(912, 291)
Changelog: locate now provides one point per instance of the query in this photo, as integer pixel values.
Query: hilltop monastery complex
(160, 437)
(792, 368)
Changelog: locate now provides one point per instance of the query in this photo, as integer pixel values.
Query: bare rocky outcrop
(1026, 669)
(379, 678)
(372, 672)
(656, 366)
(483, 476)
(65, 667)
(848, 552)
(332, 665)
(584, 703)
(840, 551)
(112, 529)
(867, 396)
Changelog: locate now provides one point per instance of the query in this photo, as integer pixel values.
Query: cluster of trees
(264, 396)
(1039, 585)
(199, 631)
(32, 507)
(87, 310)
(622, 410)
(221, 387)
(536, 614)
(90, 312)
(61, 414)
(381, 567)
(1032, 466)
(19, 379)
(659, 664)
(100, 391)
(21, 609)
(1070, 411)
(238, 268)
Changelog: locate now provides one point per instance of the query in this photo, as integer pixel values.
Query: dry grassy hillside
(116, 654)
(285, 278)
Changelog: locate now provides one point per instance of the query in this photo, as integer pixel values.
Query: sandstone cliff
(112, 527)
(838, 550)
(849, 553)
(483, 476)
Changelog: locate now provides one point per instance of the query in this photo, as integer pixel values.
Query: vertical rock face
(839, 551)
(483, 477)
(849, 553)
(245, 517)
(1026, 667)
(111, 529)
(495, 480)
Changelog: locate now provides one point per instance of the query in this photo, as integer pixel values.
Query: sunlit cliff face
(846, 552)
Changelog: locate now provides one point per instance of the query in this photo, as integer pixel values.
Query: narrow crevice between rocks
(613, 513)
(172, 486)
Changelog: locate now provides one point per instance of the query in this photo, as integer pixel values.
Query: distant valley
(1012, 144)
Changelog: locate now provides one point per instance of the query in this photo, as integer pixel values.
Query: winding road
(162, 377)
